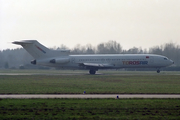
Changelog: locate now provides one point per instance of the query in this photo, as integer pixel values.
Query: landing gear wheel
(158, 71)
(92, 72)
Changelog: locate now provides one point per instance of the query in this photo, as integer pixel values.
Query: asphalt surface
(84, 96)
(71, 72)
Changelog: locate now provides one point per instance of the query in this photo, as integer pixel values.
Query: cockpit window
(165, 59)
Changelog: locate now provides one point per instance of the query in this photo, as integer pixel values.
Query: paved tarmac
(129, 73)
(84, 96)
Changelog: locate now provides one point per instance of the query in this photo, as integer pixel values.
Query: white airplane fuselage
(61, 59)
(113, 61)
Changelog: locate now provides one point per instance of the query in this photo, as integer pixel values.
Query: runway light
(117, 97)
(84, 92)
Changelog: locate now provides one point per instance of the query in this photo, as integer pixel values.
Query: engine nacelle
(60, 60)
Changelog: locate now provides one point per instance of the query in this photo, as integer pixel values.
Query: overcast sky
(139, 23)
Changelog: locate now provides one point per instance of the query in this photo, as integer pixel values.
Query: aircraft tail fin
(38, 51)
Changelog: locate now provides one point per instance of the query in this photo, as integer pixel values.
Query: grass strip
(92, 84)
(90, 109)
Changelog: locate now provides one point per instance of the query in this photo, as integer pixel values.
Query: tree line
(15, 58)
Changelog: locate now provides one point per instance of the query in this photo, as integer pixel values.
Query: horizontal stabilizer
(22, 42)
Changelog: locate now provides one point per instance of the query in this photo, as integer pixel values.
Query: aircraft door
(102, 60)
(151, 60)
(72, 60)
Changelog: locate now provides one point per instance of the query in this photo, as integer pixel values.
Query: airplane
(62, 59)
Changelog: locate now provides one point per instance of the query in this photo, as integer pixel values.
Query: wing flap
(99, 65)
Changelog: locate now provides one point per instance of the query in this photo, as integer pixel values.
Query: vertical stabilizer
(37, 50)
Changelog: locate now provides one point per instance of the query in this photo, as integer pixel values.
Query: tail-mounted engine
(59, 60)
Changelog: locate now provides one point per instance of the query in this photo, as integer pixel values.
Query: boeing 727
(61, 59)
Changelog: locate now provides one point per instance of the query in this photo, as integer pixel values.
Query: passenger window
(165, 58)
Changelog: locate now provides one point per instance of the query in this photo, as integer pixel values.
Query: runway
(86, 96)
(83, 72)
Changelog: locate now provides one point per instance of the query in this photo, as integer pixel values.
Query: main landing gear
(158, 71)
(92, 72)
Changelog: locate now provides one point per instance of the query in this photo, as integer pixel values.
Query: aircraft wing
(97, 65)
